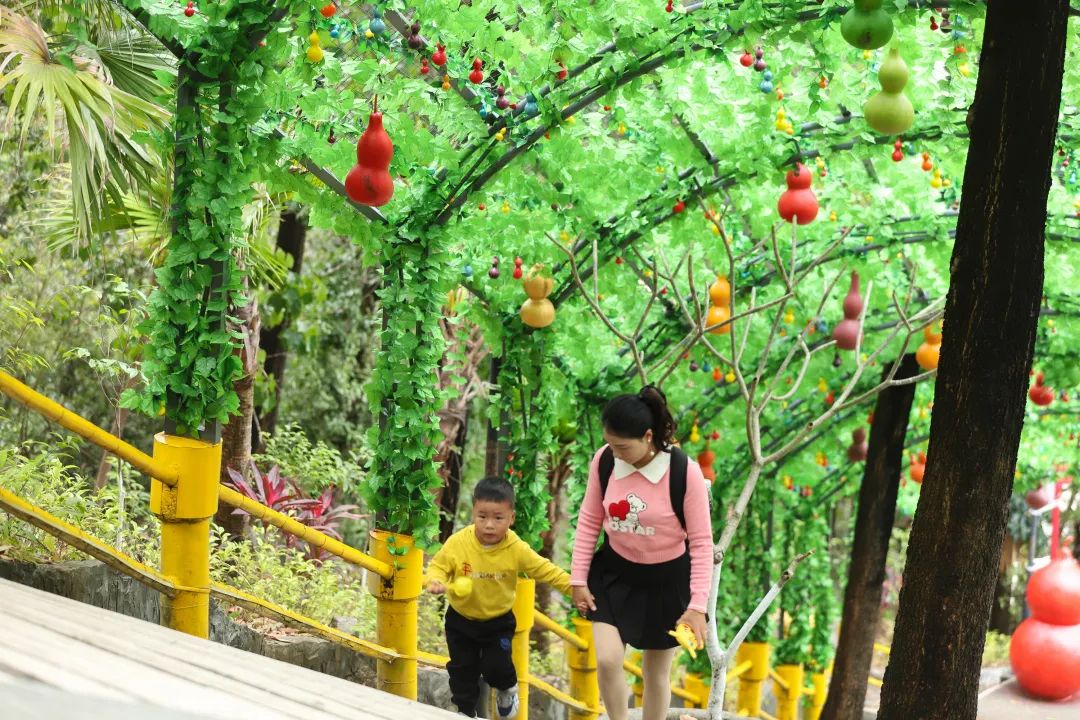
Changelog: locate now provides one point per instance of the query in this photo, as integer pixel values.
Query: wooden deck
(64, 659)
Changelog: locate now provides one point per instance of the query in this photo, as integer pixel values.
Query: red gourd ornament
(477, 75)
(369, 182)
(705, 459)
(846, 333)
(1040, 394)
(439, 56)
(328, 10)
(798, 203)
(859, 448)
(1045, 649)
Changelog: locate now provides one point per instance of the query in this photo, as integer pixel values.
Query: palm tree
(98, 99)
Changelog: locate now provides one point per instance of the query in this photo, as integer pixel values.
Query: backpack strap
(677, 483)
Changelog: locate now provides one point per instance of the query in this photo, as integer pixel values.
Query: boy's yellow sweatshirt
(494, 571)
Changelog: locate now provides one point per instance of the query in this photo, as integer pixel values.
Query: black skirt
(643, 601)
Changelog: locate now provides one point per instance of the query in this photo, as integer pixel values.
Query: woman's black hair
(630, 416)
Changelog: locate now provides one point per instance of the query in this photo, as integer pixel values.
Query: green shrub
(313, 467)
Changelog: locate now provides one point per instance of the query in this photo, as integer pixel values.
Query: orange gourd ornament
(537, 311)
(918, 467)
(847, 331)
(720, 311)
(929, 352)
(798, 203)
(369, 182)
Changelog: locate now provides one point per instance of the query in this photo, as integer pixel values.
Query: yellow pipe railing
(310, 535)
(883, 649)
(550, 625)
(563, 698)
(80, 426)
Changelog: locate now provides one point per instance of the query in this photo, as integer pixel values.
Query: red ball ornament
(328, 10)
(679, 207)
(798, 203)
(746, 59)
(1046, 658)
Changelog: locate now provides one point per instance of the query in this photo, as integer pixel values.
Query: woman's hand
(695, 620)
(583, 600)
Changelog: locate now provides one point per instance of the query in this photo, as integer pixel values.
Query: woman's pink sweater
(641, 526)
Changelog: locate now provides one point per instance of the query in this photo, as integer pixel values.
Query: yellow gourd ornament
(314, 51)
(889, 111)
(537, 311)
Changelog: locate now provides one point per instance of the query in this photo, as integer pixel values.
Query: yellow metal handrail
(302, 531)
(778, 680)
(883, 649)
(551, 626)
(739, 670)
(562, 697)
(79, 425)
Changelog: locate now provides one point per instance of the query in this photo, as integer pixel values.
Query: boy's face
(492, 519)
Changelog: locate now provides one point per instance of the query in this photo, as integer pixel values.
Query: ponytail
(631, 416)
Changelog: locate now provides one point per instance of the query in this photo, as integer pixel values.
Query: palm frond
(133, 61)
(102, 124)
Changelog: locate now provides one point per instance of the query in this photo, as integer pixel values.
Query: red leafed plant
(282, 494)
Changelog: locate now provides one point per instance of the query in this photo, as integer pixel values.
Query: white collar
(654, 472)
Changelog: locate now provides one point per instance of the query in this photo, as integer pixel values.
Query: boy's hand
(435, 587)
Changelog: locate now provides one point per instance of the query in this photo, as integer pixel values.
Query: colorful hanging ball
(189, 10)
(765, 86)
(334, 32)
(377, 26)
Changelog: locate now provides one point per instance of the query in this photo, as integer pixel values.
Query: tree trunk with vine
(991, 318)
(291, 239)
(870, 547)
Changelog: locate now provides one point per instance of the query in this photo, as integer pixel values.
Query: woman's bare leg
(656, 667)
(610, 652)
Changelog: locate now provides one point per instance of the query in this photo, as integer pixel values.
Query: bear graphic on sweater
(625, 515)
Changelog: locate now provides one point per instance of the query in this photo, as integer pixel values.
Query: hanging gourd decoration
(759, 59)
(695, 433)
(189, 10)
(517, 268)
(720, 311)
(846, 333)
(705, 459)
(377, 26)
(314, 51)
(866, 26)
(798, 203)
(369, 182)
(859, 448)
(1040, 394)
(477, 75)
(328, 10)
(918, 467)
(414, 41)
(889, 111)
(929, 352)
(493, 271)
(439, 56)
(501, 102)
(537, 311)
(1045, 649)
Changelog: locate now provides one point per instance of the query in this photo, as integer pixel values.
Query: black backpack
(676, 481)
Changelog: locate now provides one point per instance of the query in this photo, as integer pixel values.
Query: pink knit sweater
(641, 526)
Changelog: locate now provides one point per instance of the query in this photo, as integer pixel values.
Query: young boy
(480, 625)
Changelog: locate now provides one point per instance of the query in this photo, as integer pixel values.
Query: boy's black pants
(479, 647)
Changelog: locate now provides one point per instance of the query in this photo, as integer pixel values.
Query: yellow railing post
(396, 601)
(185, 511)
(524, 609)
(750, 682)
(694, 685)
(787, 699)
(583, 681)
(817, 699)
(638, 685)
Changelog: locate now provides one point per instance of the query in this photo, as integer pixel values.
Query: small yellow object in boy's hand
(461, 586)
(685, 635)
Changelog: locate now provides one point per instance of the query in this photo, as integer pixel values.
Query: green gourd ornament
(866, 25)
(889, 111)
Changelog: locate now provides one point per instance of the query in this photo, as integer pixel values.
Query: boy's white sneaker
(507, 703)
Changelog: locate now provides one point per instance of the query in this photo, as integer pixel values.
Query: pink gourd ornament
(846, 333)
(798, 203)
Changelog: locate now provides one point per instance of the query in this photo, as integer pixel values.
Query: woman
(653, 570)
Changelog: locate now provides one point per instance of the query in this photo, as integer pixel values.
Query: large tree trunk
(870, 547)
(991, 316)
(236, 434)
(292, 234)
